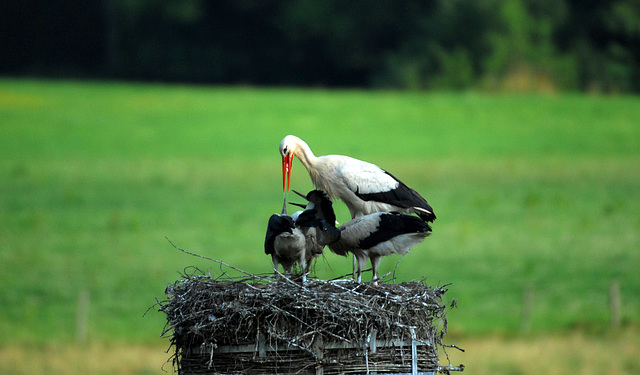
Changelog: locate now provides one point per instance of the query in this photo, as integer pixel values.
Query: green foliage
(501, 45)
(529, 190)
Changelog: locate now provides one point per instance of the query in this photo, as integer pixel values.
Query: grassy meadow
(532, 192)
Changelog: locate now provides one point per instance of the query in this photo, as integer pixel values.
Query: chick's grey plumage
(367, 237)
(289, 244)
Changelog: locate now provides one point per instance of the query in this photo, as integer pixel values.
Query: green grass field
(531, 191)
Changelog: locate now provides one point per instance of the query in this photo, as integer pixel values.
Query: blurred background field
(127, 122)
(556, 354)
(536, 195)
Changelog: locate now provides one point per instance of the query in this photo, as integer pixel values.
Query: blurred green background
(533, 192)
(125, 122)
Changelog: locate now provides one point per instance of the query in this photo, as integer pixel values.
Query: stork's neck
(306, 156)
(316, 166)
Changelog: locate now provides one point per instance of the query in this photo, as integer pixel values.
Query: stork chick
(367, 237)
(288, 244)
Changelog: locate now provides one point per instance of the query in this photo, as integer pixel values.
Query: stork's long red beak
(287, 160)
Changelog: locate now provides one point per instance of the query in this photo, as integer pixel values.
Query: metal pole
(414, 353)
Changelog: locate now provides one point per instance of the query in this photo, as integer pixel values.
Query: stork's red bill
(287, 160)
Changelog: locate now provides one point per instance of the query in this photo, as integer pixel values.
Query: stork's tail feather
(429, 230)
(425, 215)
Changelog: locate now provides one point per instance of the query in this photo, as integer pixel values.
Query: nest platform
(267, 325)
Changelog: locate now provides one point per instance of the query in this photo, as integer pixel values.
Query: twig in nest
(211, 259)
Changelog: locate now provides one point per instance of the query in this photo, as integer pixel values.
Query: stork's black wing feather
(393, 224)
(316, 218)
(323, 205)
(278, 224)
(402, 196)
(307, 219)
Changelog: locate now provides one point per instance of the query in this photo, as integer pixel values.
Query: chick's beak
(299, 204)
(300, 194)
(286, 172)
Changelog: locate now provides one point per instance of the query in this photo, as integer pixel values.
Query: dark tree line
(428, 44)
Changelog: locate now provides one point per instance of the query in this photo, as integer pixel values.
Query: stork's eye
(285, 150)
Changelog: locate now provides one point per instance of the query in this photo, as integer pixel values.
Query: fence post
(614, 300)
(82, 315)
(527, 306)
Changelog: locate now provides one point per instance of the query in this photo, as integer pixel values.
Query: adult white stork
(367, 237)
(364, 187)
(289, 244)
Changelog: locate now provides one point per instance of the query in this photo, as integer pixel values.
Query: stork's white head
(288, 148)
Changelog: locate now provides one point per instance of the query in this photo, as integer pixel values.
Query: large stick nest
(204, 311)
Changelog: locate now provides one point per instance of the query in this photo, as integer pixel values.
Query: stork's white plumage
(289, 244)
(367, 237)
(364, 187)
